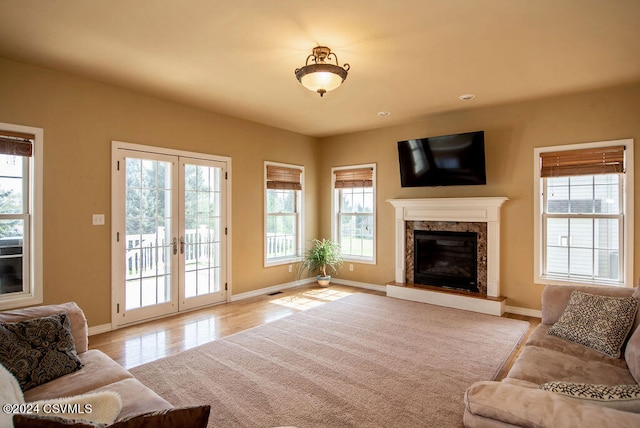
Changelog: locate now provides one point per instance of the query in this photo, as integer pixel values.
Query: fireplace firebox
(446, 259)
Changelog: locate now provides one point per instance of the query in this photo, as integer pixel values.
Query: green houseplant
(323, 257)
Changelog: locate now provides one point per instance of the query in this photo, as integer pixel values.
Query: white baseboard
(272, 289)
(285, 286)
(523, 311)
(97, 329)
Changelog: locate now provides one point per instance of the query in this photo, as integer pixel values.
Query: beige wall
(80, 118)
(511, 133)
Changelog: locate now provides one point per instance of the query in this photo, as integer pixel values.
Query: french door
(169, 217)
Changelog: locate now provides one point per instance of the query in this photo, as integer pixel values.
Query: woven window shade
(601, 160)
(16, 144)
(283, 178)
(349, 178)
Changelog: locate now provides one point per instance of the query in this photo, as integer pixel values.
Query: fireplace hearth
(446, 259)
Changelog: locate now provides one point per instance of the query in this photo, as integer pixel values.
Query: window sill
(551, 280)
(19, 301)
(358, 260)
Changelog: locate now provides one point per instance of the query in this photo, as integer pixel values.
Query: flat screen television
(447, 160)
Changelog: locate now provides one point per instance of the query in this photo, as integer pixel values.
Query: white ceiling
(409, 57)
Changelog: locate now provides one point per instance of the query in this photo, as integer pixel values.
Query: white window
(283, 213)
(354, 212)
(20, 222)
(584, 220)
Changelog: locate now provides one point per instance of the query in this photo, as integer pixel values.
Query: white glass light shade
(321, 78)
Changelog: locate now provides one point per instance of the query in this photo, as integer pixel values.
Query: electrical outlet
(98, 220)
(350, 267)
(290, 268)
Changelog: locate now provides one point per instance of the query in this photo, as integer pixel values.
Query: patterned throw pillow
(38, 350)
(599, 322)
(622, 397)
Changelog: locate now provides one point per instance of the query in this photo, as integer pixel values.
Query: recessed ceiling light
(384, 113)
(467, 97)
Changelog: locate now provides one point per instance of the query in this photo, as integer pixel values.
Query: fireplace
(446, 259)
(416, 231)
(449, 217)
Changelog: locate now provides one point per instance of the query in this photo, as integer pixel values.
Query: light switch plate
(98, 219)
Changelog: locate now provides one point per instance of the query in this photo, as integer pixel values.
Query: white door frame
(117, 228)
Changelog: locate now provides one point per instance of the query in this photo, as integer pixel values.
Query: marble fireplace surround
(448, 226)
(454, 212)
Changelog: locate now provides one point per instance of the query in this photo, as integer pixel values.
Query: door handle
(182, 245)
(175, 246)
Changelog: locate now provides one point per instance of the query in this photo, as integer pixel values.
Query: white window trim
(628, 195)
(300, 225)
(334, 220)
(35, 294)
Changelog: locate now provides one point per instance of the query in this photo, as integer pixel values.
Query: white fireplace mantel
(482, 209)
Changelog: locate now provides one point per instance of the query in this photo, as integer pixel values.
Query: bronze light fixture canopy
(322, 76)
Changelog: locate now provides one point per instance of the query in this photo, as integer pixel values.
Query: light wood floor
(142, 343)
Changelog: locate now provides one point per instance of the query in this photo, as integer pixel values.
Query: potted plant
(323, 257)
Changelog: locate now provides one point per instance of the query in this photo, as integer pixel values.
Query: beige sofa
(518, 401)
(100, 373)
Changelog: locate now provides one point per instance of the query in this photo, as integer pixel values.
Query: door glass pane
(202, 218)
(148, 233)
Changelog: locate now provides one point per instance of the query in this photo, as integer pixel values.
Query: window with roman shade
(282, 177)
(354, 212)
(596, 160)
(283, 212)
(584, 204)
(20, 233)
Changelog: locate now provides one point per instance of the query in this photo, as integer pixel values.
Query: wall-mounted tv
(447, 160)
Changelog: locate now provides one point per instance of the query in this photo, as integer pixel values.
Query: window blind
(349, 178)
(16, 143)
(283, 178)
(599, 160)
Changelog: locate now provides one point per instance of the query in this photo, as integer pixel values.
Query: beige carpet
(361, 361)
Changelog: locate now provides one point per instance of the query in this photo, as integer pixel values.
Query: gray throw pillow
(38, 350)
(599, 322)
(621, 397)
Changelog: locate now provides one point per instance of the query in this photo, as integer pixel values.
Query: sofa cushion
(136, 398)
(79, 327)
(192, 417)
(497, 404)
(539, 337)
(599, 322)
(37, 421)
(556, 297)
(38, 350)
(621, 397)
(99, 370)
(632, 355)
(540, 365)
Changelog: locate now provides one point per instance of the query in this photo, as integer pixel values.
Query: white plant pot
(323, 281)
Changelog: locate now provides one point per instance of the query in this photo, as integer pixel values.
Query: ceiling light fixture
(322, 76)
(467, 97)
